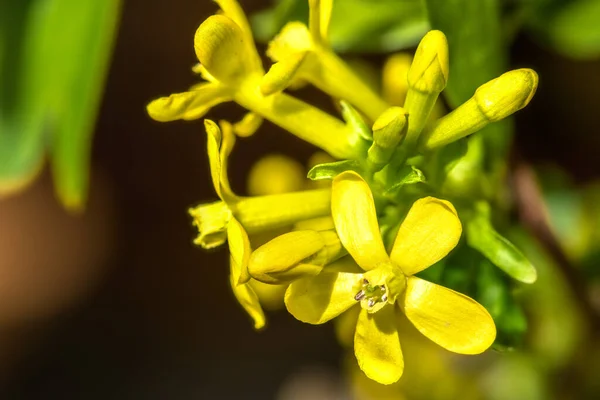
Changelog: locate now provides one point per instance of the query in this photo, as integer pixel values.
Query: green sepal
(482, 236)
(355, 121)
(408, 175)
(331, 170)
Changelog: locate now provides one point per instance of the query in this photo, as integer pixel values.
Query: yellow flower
(233, 217)
(233, 71)
(430, 230)
(302, 53)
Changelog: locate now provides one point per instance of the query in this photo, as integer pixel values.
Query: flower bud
(388, 131)
(429, 70)
(281, 259)
(492, 102)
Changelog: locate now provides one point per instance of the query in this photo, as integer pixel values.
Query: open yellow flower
(430, 230)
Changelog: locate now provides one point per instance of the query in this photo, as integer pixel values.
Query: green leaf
(571, 28)
(59, 73)
(482, 237)
(408, 175)
(477, 52)
(355, 121)
(356, 25)
(331, 170)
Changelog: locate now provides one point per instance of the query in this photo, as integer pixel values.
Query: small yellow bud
(429, 70)
(394, 75)
(280, 260)
(388, 131)
(390, 128)
(492, 102)
(506, 94)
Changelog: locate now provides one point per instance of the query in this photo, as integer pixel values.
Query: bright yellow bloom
(303, 53)
(233, 217)
(430, 230)
(233, 71)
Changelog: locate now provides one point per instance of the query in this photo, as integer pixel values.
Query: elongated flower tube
(430, 230)
(255, 214)
(233, 217)
(303, 53)
(493, 101)
(230, 64)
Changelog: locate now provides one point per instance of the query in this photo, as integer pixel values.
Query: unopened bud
(429, 70)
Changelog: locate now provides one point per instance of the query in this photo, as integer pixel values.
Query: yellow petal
(318, 299)
(452, 320)
(248, 125)
(430, 230)
(377, 346)
(239, 250)
(247, 298)
(211, 220)
(221, 48)
(219, 145)
(319, 18)
(188, 105)
(281, 74)
(355, 220)
(345, 326)
(394, 76)
(294, 38)
(232, 9)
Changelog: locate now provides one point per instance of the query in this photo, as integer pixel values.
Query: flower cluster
(385, 212)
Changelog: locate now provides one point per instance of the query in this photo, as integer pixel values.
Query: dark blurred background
(119, 304)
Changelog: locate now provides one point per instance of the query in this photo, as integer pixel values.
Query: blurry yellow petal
(275, 174)
(319, 17)
(270, 296)
(281, 74)
(355, 218)
(345, 326)
(318, 299)
(188, 105)
(239, 250)
(232, 9)
(430, 230)
(294, 38)
(454, 321)
(221, 48)
(377, 345)
(247, 298)
(248, 125)
(394, 75)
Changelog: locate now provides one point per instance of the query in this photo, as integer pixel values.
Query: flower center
(379, 287)
(370, 295)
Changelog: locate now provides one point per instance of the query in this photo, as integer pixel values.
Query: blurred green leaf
(58, 72)
(482, 236)
(356, 25)
(569, 27)
(408, 175)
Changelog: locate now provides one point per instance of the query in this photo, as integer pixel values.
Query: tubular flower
(232, 68)
(387, 283)
(233, 217)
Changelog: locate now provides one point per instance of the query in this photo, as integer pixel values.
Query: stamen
(384, 298)
(372, 302)
(360, 295)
